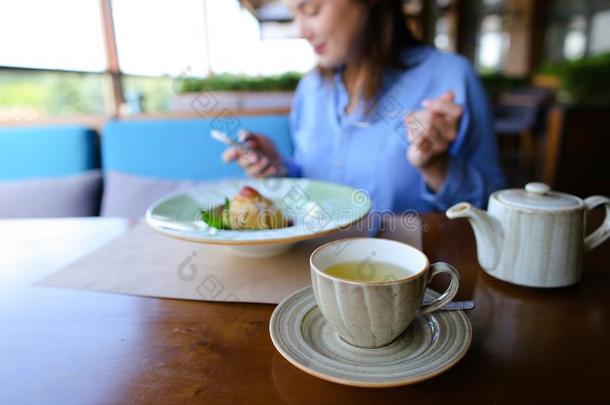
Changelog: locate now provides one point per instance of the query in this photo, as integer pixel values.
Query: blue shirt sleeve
(473, 171)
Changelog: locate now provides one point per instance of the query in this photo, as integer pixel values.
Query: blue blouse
(368, 150)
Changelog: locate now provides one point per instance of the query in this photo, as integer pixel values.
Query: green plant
(584, 82)
(229, 82)
(52, 93)
(497, 83)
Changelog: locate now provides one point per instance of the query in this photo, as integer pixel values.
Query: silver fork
(455, 305)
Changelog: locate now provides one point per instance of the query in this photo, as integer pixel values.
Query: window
(162, 37)
(58, 34)
(53, 56)
(575, 41)
(201, 36)
(493, 43)
(577, 29)
(600, 39)
(243, 50)
(44, 35)
(441, 38)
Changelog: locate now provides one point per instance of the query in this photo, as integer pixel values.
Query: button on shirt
(367, 150)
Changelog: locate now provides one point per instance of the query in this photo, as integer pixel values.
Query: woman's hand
(263, 160)
(430, 133)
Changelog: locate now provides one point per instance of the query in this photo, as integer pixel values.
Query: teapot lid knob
(537, 196)
(537, 188)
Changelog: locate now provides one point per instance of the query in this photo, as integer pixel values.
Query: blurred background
(545, 65)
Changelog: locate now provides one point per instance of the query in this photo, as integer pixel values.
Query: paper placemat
(144, 263)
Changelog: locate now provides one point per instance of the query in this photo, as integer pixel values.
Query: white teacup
(369, 313)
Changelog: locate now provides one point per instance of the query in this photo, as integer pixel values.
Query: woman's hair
(384, 35)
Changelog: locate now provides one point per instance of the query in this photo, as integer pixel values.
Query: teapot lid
(538, 196)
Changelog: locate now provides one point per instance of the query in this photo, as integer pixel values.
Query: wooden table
(70, 346)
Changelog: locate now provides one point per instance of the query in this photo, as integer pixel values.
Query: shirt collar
(409, 56)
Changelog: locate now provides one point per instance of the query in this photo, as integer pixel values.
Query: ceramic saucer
(430, 346)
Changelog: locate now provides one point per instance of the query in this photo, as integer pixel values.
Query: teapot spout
(487, 231)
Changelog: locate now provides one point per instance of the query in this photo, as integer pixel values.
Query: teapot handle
(602, 233)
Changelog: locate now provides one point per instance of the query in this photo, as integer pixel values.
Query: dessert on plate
(248, 210)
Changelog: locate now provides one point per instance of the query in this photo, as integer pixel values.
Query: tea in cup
(370, 290)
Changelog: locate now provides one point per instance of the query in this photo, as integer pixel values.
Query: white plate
(317, 208)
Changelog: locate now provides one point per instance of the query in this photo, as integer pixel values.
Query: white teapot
(534, 237)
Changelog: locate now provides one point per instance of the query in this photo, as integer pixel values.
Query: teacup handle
(438, 268)
(603, 232)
